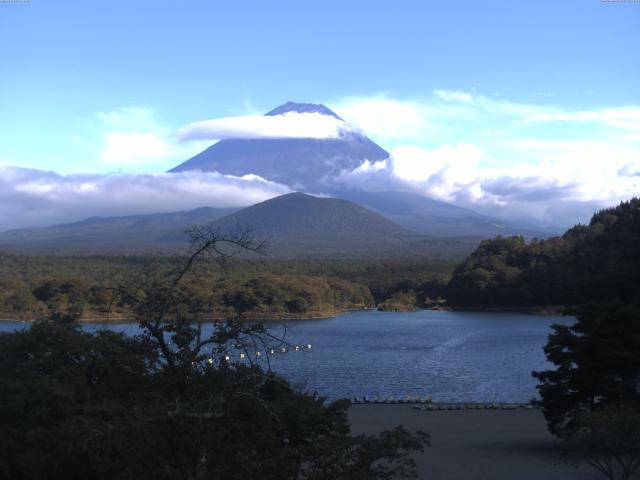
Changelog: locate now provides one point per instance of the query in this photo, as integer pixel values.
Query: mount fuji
(314, 165)
(301, 163)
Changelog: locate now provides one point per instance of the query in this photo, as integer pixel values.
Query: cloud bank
(519, 161)
(287, 125)
(30, 197)
(557, 192)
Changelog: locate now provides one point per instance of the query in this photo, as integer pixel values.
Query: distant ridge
(433, 217)
(294, 225)
(110, 233)
(300, 225)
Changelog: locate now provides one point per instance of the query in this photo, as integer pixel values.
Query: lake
(451, 356)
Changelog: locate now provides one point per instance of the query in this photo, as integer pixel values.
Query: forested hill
(595, 262)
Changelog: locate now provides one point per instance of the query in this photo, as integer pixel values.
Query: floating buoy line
(426, 403)
(240, 356)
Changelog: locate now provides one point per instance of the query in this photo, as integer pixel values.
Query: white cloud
(556, 191)
(30, 197)
(456, 116)
(288, 125)
(517, 160)
(630, 170)
(454, 164)
(384, 118)
(456, 96)
(627, 118)
(443, 117)
(133, 139)
(135, 148)
(129, 119)
(368, 166)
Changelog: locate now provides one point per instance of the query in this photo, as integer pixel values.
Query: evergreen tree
(597, 364)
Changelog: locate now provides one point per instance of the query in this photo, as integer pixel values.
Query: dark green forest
(33, 286)
(589, 263)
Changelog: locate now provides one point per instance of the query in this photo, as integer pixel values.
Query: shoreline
(547, 310)
(121, 318)
(116, 318)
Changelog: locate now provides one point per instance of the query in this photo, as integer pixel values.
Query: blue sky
(83, 81)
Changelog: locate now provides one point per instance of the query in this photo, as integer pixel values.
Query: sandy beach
(476, 444)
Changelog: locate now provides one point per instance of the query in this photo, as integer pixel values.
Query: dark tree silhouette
(597, 363)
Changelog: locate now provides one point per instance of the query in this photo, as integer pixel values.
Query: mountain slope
(293, 225)
(432, 217)
(297, 162)
(129, 232)
(301, 214)
(588, 263)
(297, 225)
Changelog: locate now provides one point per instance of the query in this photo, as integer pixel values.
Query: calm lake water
(452, 356)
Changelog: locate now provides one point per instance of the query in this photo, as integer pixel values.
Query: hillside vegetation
(34, 286)
(589, 263)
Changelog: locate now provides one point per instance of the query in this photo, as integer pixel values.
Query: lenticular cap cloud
(287, 125)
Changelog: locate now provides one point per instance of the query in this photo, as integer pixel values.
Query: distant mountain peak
(295, 195)
(303, 108)
(304, 163)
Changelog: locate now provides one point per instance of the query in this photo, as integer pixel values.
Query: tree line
(595, 262)
(33, 286)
